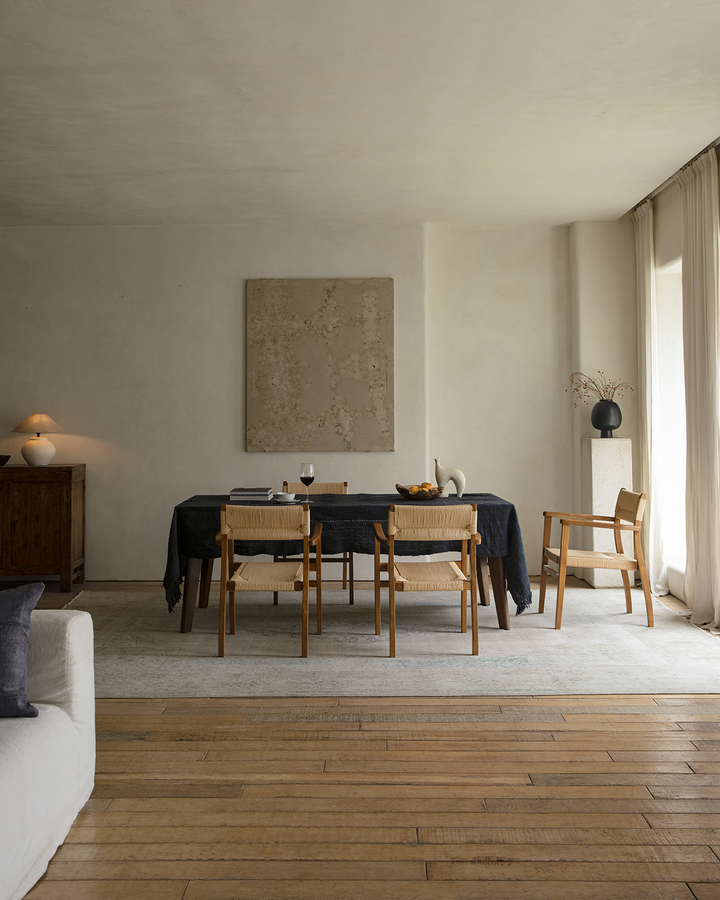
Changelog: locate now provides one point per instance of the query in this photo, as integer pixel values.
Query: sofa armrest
(61, 672)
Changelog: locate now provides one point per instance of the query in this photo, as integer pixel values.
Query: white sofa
(47, 763)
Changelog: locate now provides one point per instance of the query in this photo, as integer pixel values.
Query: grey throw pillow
(15, 608)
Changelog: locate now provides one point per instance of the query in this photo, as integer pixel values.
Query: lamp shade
(38, 423)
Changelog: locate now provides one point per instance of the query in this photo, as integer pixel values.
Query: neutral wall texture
(499, 361)
(133, 339)
(604, 325)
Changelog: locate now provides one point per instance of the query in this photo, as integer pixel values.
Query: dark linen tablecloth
(347, 525)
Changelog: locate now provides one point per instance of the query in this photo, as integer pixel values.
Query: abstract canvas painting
(320, 364)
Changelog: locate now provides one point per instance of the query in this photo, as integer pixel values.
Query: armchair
(628, 516)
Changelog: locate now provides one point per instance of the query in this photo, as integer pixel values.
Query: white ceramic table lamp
(38, 451)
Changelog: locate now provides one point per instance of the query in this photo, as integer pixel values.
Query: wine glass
(307, 476)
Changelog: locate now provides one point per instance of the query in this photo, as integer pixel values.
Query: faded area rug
(139, 651)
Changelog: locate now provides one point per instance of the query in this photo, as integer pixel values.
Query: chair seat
(593, 559)
(442, 575)
(267, 576)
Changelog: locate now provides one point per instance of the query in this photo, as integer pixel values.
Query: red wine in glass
(307, 476)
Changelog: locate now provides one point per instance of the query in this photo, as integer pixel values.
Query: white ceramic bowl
(284, 498)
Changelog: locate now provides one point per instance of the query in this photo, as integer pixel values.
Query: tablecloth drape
(347, 525)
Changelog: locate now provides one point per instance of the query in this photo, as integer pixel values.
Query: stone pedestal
(606, 467)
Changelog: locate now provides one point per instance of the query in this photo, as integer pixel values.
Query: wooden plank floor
(524, 798)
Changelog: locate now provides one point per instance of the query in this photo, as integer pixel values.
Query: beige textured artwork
(320, 364)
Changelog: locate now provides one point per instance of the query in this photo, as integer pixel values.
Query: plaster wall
(499, 361)
(133, 339)
(604, 326)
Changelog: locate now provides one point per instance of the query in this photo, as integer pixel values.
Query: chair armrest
(380, 534)
(317, 531)
(219, 535)
(559, 515)
(594, 523)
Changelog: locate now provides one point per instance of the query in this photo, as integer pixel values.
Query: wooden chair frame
(628, 516)
(483, 578)
(466, 562)
(229, 567)
(347, 560)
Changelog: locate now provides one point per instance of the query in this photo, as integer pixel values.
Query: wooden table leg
(192, 578)
(483, 580)
(206, 571)
(497, 576)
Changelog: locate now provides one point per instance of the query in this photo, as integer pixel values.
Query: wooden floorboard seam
(582, 797)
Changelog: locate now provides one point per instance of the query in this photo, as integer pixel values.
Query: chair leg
(305, 621)
(377, 588)
(648, 603)
(232, 611)
(318, 590)
(560, 593)
(276, 596)
(644, 580)
(543, 585)
(628, 595)
(221, 619)
(474, 621)
(646, 592)
(352, 577)
(463, 612)
(344, 565)
(378, 614)
(392, 620)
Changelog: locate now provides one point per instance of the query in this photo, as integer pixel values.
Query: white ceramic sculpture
(443, 476)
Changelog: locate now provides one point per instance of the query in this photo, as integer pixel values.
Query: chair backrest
(630, 507)
(317, 487)
(432, 523)
(266, 523)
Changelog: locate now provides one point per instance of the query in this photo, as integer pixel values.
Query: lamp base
(38, 451)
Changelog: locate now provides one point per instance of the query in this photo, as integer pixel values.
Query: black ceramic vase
(606, 416)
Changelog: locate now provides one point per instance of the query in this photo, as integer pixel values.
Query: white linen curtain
(701, 342)
(648, 388)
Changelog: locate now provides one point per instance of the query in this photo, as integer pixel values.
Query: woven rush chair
(430, 523)
(348, 564)
(267, 523)
(628, 517)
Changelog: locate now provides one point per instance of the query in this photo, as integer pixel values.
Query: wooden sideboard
(42, 522)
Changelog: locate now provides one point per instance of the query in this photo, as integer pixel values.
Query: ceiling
(395, 111)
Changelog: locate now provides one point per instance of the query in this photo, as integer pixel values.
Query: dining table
(347, 525)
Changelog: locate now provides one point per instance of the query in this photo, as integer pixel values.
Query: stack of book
(251, 493)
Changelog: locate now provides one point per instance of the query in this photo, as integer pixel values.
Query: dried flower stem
(602, 388)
